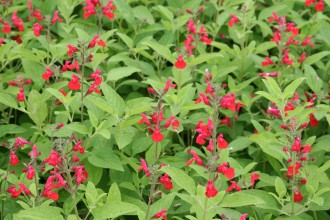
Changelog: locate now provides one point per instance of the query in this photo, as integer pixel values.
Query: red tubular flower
(319, 6)
(211, 191)
(191, 26)
(108, 10)
(21, 96)
(17, 22)
(222, 143)
(307, 42)
(14, 193)
(294, 169)
(229, 172)
(228, 101)
(54, 159)
(180, 63)
(30, 173)
(312, 120)
(20, 142)
(296, 145)
(243, 216)
(74, 84)
(144, 167)
(78, 147)
(6, 28)
(161, 214)
(13, 159)
(297, 197)
(157, 136)
(56, 18)
(34, 153)
(210, 146)
(267, 62)
(89, 9)
(286, 59)
(46, 75)
(195, 158)
(71, 50)
(302, 57)
(25, 189)
(233, 186)
(226, 121)
(254, 177)
(166, 181)
(80, 174)
(36, 29)
(233, 19)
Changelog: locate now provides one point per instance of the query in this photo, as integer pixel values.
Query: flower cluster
(91, 8)
(20, 83)
(318, 4)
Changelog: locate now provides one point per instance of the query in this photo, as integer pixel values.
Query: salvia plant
(169, 109)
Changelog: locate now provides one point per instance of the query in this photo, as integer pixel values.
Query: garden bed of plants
(164, 109)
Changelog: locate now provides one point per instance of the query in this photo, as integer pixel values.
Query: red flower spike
(13, 159)
(36, 29)
(306, 149)
(180, 63)
(71, 50)
(54, 159)
(296, 145)
(191, 26)
(166, 181)
(211, 191)
(74, 84)
(222, 143)
(20, 142)
(108, 10)
(157, 136)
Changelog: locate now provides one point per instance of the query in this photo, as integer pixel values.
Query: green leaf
(204, 58)
(114, 210)
(164, 11)
(180, 178)
(313, 80)
(39, 213)
(239, 199)
(264, 47)
(126, 11)
(268, 96)
(37, 109)
(127, 40)
(290, 89)
(123, 135)
(121, 72)
(91, 194)
(239, 143)
(160, 49)
(8, 100)
(164, 203)
(78, 127)
(115, 101)
(316, 57)
(104, 157)
(143, 14)
(280, 187)
(99, 102)
(11, 129)
(138, 105)
(114, 193)
(272, 86)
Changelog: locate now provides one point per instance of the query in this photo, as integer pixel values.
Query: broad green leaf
(123, 135)
(114, 193)
(160, 49)
(91, 194)
(78, 127)
(239, 143)
(268, 96)
(115, 101)
(164, 203)
(239, 199)
(164, 11)
(8, 100)
(316, 57)
(290, 89)
(204, 58)
(280, 187)
(11, 129)
(313, 80)
(114, 209)
(39, 213)
(125, 11)
(272, 86)
(104, 157)
(99, 102)
(180, 178)
(37, 109)
(138, 105)
(127, 40)
(264, 47)
(143, 14)
(121, 72)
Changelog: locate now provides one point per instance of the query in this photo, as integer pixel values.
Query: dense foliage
(166, 109)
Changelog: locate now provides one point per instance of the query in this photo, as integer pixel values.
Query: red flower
(107, 10)
(36, 29)
(233, 20)
(302, 57)
(78, 147)
(25, 189)
(6, 28)
(20, 96)
(228, 101)
(195, 158)
(56, 18)
(71, 50)
(296, 145)
(297, 197)
(14, 193)
(233, 186)
(243, 216)
(46, 75)
(1, 41)
(17, 22)
(20, 142)
(180, 63)
(30, 173)
(229, 172)
(166, 181)
(13, 160)
(211, 191)
(161, 214)
(53, 159)
(309, 2)
(267, 62)
(312, 120)
(80, 173)
(74, 84)
(144, 167)
(307, 42)
(254, 177)
(319, 6)
(222, 143)
(157, 136)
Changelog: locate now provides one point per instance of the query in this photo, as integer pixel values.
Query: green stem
(205, 209)
(293, 183)
(82, 84)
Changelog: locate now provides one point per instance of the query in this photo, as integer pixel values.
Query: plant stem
(82, 84)
(205, 209)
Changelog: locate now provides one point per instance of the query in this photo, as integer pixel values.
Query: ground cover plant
(167, 109)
